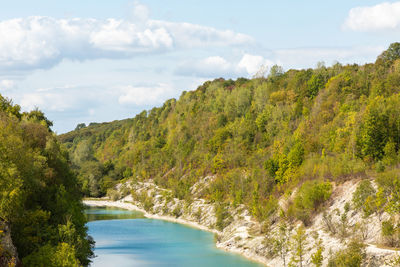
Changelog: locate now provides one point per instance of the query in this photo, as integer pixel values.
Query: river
(125, 238)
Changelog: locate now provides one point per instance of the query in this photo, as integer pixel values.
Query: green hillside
(261, 138)
(40, 200)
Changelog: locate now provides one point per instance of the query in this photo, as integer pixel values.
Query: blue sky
(101, 60)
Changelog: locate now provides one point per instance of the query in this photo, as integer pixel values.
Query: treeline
(261, 138)
(39, 194)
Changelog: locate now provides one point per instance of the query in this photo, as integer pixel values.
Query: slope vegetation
(289, 137)
(40, 206)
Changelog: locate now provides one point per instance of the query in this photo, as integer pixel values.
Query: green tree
(275, 71)
(38, 191)
(314, 85)
(391, 54)
(299, 243)
(364, 198)
(80, 126)
(281, 242)
(317, 258)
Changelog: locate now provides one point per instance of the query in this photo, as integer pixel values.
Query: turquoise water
(147, 242)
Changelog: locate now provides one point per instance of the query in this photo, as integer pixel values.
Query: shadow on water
(110, 213)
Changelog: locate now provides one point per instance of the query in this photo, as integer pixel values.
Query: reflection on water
(147, 242)
(110, 213)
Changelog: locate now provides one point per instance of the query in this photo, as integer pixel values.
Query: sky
(101, 60)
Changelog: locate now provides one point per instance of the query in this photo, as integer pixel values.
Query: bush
(113, 194)
(391, 233)
(389, 192)
(269, 207)
(311, 195)
(364, 198)
(135, 195)
(317, 257)
(124, 191)
(352, 256)
(223, 217)
(198, 215)
(177, 211)
(148, 203)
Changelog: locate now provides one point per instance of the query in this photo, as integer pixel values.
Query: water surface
(124, 238)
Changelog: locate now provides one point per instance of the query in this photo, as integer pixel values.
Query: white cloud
(216, 66)
(143, 95)
(191, 35)
(67, 86)
(59, 98)
(216, 61)
(384, 16)
(252, 63)
(46, 101)
(42, 42)
(6, 84)
(122, 36)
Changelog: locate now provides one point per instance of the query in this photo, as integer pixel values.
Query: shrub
(311, 195)
(124, 191)
(329, 224)
(317, 257)
(280, 243)
(177, 211)
(113, 194)
(198, 215)
(389, 191)
(135, 195)
(269, 207)
(223, 217)
(352, 256)
(296, 155)
(148, 203)
(343, 224)
(144, 199)
(364, 198)
(391, 233)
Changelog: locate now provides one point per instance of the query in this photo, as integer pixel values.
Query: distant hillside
(261, 138)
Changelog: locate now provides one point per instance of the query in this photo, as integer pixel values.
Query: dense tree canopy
(39, 194)
(259, 137)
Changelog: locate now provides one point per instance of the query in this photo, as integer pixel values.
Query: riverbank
(241, 234)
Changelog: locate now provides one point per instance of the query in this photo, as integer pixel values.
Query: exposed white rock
(242, 235)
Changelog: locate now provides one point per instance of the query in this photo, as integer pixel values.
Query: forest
(262, 138)
(40, 197)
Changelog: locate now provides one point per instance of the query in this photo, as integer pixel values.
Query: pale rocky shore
(243, 234)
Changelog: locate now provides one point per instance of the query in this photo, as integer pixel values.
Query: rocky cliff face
(237, 231)
(8, 253)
